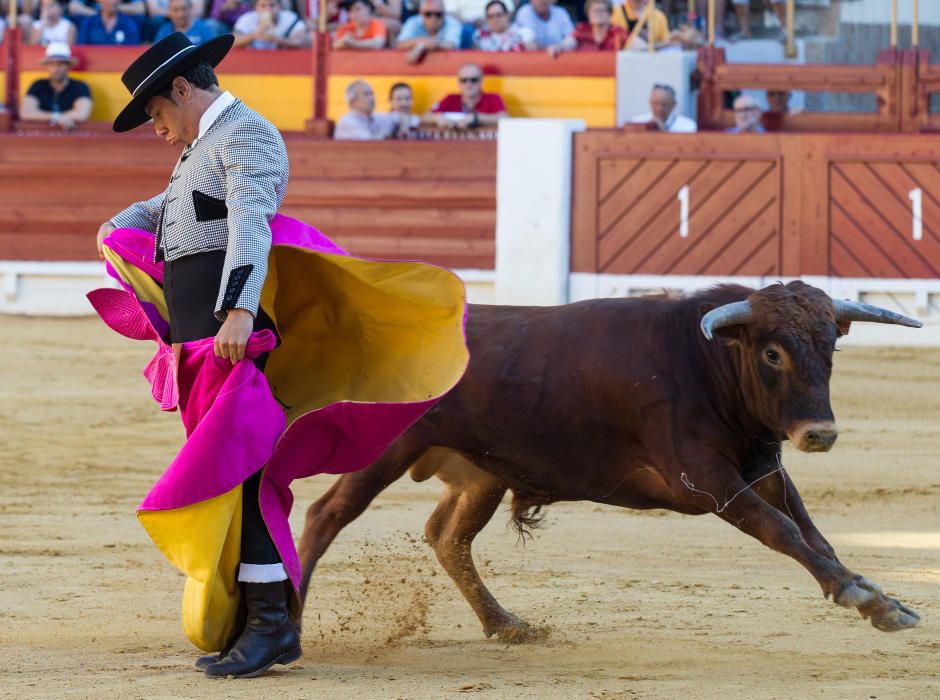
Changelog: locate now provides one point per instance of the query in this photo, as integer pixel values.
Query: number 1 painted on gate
(684, 211)
(916, 197)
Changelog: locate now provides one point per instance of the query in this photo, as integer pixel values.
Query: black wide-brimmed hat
(158, 65)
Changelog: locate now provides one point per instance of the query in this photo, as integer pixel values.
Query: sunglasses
(474, 79)
(435, 15)
(741, 110)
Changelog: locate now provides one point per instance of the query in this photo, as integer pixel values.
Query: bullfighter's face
(174, 118)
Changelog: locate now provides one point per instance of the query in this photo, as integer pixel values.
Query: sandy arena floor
(650, 605)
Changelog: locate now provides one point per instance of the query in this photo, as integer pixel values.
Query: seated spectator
(109, 27)
(548, 23)
(430, 30)
(663, 115)
(401, 102)
(597, 34)
(363, 31)
(471, 107)
(389, 13)
(181, 20)
(270, 27)
(90, 8)
(59, 100)
(778, 109)
(159, 17)
(628, 13)
(362, 122)
(225, 13)
(747, 114)
(52, 25)
(499, 33)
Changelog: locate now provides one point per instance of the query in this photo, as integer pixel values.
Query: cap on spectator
(58, 51)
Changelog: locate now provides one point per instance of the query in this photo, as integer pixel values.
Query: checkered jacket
(223, 192)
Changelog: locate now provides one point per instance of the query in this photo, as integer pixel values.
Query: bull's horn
(727, 315)
(855, 311)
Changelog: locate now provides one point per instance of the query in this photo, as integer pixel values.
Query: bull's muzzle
(814, 436)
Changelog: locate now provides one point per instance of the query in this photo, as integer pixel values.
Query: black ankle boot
(269, 636)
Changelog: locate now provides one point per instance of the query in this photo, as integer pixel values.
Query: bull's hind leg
(346, 500)
(753, 515)
(470, 498)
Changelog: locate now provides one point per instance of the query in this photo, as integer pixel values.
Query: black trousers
(191, 286)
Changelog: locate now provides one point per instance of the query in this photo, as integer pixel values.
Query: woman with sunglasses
(499, 33)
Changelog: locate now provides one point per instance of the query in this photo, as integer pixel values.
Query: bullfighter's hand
(103, 231)
(232, 338)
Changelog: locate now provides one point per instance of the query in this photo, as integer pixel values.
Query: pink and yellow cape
(366, 348)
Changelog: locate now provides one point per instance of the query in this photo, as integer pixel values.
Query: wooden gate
(693, 216)
(756, 205)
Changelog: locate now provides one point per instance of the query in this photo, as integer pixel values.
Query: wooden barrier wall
(400, 200)
(725, 204)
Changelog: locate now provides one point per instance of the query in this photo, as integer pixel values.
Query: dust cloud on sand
(651, 605)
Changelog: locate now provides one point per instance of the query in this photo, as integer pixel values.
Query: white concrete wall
(533, 210)
(59, 288)
(919, 299)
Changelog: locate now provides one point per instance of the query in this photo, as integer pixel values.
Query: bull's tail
(526, 514)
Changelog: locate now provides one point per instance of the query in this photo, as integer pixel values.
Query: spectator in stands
(499, 33)
(136, 9)
(363, 31)
(747, 116)
(431, 30)
(663, 115)
(270, 27)
(362, 122)
(548, 23)
(52, 25)
(225, 13)
(471, 107)
(628, 13)
(389, 12)
(597, 34)
(59, 100)
(401, 102)
(401, 98)
(109, 27)
(181, 20)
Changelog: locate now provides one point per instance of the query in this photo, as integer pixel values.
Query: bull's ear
(843, 327)
(727, 334)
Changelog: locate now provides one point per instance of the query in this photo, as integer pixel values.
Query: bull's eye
(773, 357)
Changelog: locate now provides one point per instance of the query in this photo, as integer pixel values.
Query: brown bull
(679, 404)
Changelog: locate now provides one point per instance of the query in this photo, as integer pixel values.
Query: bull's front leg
(779, 491)
(751, 514)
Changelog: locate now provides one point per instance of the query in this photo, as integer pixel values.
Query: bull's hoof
(889, 615)
(514, 630)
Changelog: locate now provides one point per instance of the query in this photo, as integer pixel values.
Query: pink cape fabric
(234, 425)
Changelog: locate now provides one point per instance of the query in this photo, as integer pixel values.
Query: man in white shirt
(663, 115)
(270, 27)
(363, 123)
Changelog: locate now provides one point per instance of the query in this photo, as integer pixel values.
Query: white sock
(261, 573)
